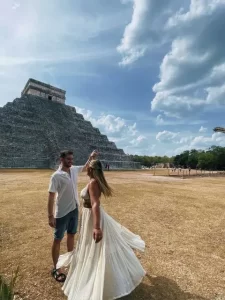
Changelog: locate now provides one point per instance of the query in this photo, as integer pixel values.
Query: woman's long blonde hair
(98, 175)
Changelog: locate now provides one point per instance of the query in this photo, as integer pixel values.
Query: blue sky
(150, 74)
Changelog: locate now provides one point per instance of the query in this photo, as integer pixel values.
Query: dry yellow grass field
(181, 221)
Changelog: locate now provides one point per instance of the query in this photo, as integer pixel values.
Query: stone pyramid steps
(34, 130)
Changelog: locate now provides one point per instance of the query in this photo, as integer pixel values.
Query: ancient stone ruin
(43, 90)
(37, 126)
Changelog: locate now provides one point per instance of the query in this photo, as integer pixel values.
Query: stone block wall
(41, 89)
(34, 130)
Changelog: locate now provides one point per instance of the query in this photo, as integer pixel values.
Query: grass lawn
(181, 220)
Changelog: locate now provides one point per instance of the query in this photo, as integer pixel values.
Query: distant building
(163, 165)
(41, 89)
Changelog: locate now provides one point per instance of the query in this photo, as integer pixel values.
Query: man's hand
(94, 154)
(51, 221)
(97, 235)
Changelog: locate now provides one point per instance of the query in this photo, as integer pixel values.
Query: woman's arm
(95, 194)
(93, 155)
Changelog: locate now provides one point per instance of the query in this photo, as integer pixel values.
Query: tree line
(210, 159)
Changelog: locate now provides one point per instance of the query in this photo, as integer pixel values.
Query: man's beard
(67, 165)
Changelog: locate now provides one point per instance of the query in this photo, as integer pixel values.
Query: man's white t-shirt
(65, 186)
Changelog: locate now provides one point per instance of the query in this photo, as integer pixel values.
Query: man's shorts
(67, 223)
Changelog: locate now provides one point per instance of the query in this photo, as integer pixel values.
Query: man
(64, 183)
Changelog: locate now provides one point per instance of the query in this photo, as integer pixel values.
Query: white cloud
(192, 73)
(216, 95)
(168, 120)
(159, 120)
(109, 124)
(167, 136)
(87, 114)
(15, 5)
(185, 139)
(201, 142)
(205, 141)
(140, 140)
(189, 142)
(118, 130)
(187, 74)
(178, 150)
(126, 1)
(202, 129)
(133, 129)
(176, 106)
(144, 32)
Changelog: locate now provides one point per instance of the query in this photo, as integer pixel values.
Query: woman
(103, 266)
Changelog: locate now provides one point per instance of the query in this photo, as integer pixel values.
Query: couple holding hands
(103, 265)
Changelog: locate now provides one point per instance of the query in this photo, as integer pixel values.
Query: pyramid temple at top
(37, 126)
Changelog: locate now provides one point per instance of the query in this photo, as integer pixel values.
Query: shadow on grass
(161, 288)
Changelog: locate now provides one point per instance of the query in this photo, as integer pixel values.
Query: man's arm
(51, 200)
(53, 186)
(93, 155)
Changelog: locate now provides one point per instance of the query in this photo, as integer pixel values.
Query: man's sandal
(60, 277)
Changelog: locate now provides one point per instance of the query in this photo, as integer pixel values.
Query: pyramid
(37, 126)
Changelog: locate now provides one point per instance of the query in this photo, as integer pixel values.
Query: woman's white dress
(106, 270)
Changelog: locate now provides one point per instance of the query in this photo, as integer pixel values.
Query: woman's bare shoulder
(93, 182)
(93, 185)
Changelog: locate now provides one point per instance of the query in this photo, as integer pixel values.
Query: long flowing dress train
(107, 270)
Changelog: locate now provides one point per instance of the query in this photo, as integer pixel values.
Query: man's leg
(72, 229)
(57, 273)
(60, 228)
(55, 251)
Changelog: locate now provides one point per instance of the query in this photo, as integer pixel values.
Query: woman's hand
(93, 155)
(97, 235)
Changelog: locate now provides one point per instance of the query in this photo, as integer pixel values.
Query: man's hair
(64, 153)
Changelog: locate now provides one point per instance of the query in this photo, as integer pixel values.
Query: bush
(7, 289)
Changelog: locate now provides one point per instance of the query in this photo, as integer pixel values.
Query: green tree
(206, 160)
(192, 161)
(213, 158)
(181, 160)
